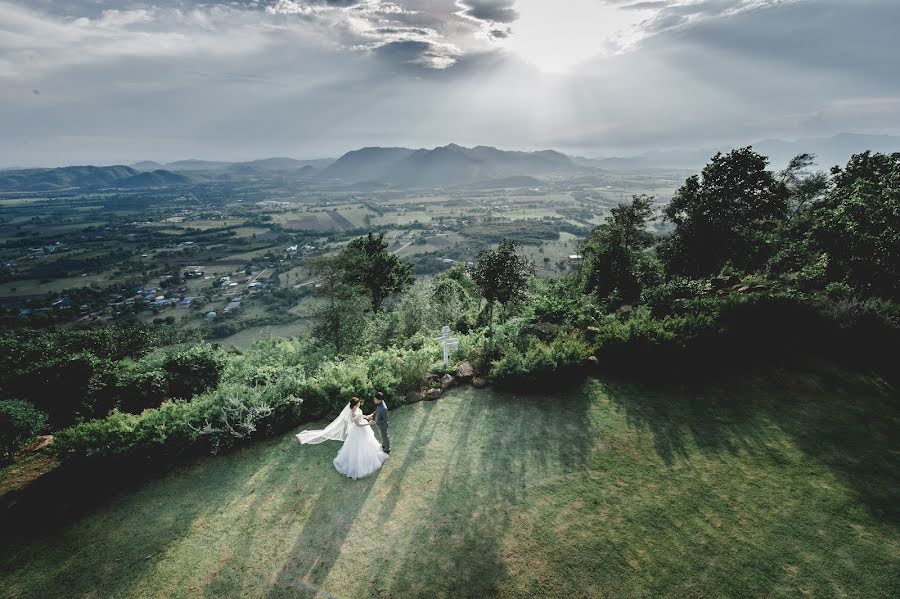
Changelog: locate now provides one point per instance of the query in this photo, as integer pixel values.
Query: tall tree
(339, 318)
(501, 275)
(858, 224)
(725, 215)
(614, 254)
(368, 264)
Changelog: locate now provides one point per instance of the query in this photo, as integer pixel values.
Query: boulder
(591, 332)
(447, 381)
(414, 396)
(465, 372)
(479, 383)
(744, 289)
(592, 361)
(759, 288)
(432, 394)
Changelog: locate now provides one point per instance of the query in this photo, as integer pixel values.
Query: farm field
(92, 251)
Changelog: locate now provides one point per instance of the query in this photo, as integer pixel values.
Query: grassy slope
(776, 484)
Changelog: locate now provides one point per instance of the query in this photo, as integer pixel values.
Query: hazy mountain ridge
(157, 178)
(263, 165)
(444, 165)
(86, 177)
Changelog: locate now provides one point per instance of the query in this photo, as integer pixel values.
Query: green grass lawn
(781, 483)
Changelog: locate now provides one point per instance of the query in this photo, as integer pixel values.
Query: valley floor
(781, 483)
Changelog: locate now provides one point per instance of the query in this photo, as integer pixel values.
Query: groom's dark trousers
(381, 421)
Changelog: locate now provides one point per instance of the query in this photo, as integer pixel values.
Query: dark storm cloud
(491, 11)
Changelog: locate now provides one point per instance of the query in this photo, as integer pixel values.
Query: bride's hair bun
(354, 401)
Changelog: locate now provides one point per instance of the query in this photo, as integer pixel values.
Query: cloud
(489, 11)
(126, 80)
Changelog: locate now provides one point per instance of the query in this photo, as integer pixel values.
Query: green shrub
(193, 370)
(217, 420)
(539, 361)
(838, 291)
(20, 422)
(664, 299)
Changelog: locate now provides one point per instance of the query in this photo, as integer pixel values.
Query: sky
(117, 81)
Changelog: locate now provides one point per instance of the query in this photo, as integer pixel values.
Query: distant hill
(365, 164)
(445, 165)
(146, 165)
(829, 151)
(249, 167)
(278, 165)
(285, 164)
(157, 178)
(48, 179)
(86, 177)
(196, 165)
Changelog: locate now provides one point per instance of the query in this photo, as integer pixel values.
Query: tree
(614, 252)
(340, 316)
(501, 275)
(857, 224)
(804, 187)
(368, 264)
(725, 215)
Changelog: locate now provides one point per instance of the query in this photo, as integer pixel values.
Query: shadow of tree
(321, 542)
(132, 530)
(493, 451)
(848, 422)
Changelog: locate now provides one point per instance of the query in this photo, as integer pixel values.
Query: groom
(380, 416)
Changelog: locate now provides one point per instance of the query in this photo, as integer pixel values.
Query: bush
(664, 299)
(217, 420)
(838, 291)
(538, 361)
(193, 370)
(20, 422)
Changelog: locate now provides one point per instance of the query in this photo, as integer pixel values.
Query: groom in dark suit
(380, 416)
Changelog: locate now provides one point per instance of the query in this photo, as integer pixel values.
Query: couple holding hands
(361, 454)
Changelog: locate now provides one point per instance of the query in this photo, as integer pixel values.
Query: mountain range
(441, 166)
(253, 166)
(446, 165)
(86, 177)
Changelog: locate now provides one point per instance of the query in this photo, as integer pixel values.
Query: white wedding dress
(361, 454)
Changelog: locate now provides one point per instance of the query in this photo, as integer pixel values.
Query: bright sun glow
(556, 36)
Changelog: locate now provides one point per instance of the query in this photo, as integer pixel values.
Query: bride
(361, 454)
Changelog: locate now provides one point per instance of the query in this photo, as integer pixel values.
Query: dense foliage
(501, 275)
(615, 260)
(20, 422)
(367, 264)
(725, 215)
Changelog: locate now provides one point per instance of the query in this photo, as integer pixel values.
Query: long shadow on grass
(499, 446)
(848, 422)
(318, 547)
(112, 549)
